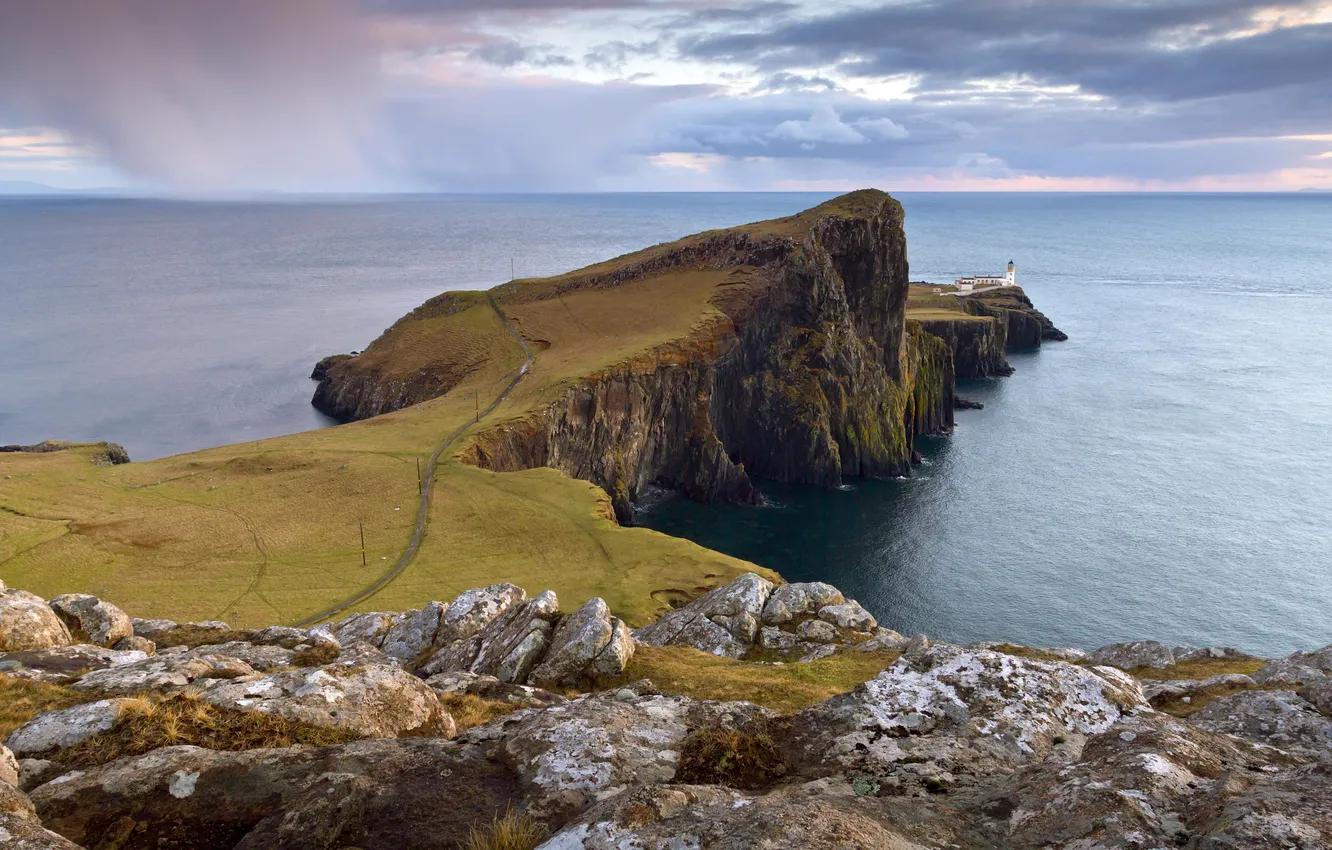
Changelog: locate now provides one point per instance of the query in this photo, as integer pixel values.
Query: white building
(986, 281)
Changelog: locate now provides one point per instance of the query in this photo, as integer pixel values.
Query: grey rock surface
(27, 622)
(56, 730)
(92, 620)
(1133, 654)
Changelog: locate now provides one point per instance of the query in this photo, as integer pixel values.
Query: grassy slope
(267, 532)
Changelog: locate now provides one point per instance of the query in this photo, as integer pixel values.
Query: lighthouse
(1011, 276)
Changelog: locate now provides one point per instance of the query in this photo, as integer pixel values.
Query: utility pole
(477, 397)
(361, 526)
(418, 476)
(511, 274)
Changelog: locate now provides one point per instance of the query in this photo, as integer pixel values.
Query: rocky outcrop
(797, 622)
(977, 343)
(985, 746)
(1025, 326)
(103, 454)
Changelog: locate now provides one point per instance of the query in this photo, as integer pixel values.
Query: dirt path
(423, 511)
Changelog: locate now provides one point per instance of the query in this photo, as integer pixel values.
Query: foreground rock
(90, 620)
(27, 622)
(64, 664)
(380, 702)
(20, 829)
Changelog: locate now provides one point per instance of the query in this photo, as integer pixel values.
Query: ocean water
(1165, 473)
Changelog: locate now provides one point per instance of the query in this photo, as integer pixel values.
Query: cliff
(796, 366)
(496, 720)
(981, 327)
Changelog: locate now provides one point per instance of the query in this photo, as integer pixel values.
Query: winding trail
(423, 510)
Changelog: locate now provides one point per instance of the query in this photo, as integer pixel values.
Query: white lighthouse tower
(1011, 276)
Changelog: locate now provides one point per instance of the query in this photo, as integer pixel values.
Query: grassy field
(269, 531)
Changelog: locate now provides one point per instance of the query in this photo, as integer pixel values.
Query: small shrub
(470, 710)
(23, 699)
(149, 722)
(747, 757)
(507, 832)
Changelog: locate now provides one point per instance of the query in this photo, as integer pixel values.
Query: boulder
(508, 647)
(771, 637)
(883, 640)
(56, 730)
(1318, 693)
(490, 688)
(1134, 654)
(946, 713)
(9, 767)
(688, 817)
(20, 828)
(724, 621)
(34, 772)
(789, 601)
(151, 628)
(369, 628)
(586, 644)
(817, 631)
(380, 702)
(259, 657)
(412, 634)
(134, 643)
(848, 615)
(1197, 653)
(475, 609)
(1278, 719)
(1287, 673)
(569, 756)
(163, 673)
(27, 622)
(66, 663)
(426, 794)
(92, 620)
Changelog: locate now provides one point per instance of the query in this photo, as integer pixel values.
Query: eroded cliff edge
(982, 327)
(804, 369)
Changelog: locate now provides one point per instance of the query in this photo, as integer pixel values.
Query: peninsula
(505, 436)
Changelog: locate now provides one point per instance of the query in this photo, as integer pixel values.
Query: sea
(1165, 473)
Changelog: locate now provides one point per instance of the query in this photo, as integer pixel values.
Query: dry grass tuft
(150, 722)
(507, 832)
(1030, 652)
(746, 758)
(470, 710)
(22, 699)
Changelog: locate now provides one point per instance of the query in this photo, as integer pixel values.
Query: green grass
(1202, 668)
(785, 688)
(270, 531)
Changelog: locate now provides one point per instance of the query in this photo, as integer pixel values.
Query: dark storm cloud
(1166, 50)
(209, 93)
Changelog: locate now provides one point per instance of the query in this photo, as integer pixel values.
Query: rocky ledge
(428, 729)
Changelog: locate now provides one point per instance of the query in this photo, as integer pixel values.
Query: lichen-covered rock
(289, 637)
(848, 615)
(587, 643)
(507, 647)
(27, 622)
(771, 637)
(569, 756)
(34, 772)
(377, 702)
(1318, 693)
(92, 620)
(66, 663)
(413, 633)
(1287, 673)
(369, 628)
(475, 609)
(259, 657)
(9, 767)
(1133, 654)
(425, 793)
(817, 631)
(947, 712)
(723, 621)
(163, 673)
(693, 817)
(1279, 719)
(151, 628)
(490, 688)
(789, 601)
(56, 730)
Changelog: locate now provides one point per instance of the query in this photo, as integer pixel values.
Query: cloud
(825, 125)
(203, 94)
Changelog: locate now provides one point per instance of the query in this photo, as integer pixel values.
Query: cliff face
(809, 375)
(1027, 327)
(977, 344)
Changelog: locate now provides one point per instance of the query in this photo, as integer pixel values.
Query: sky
(223, 96)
